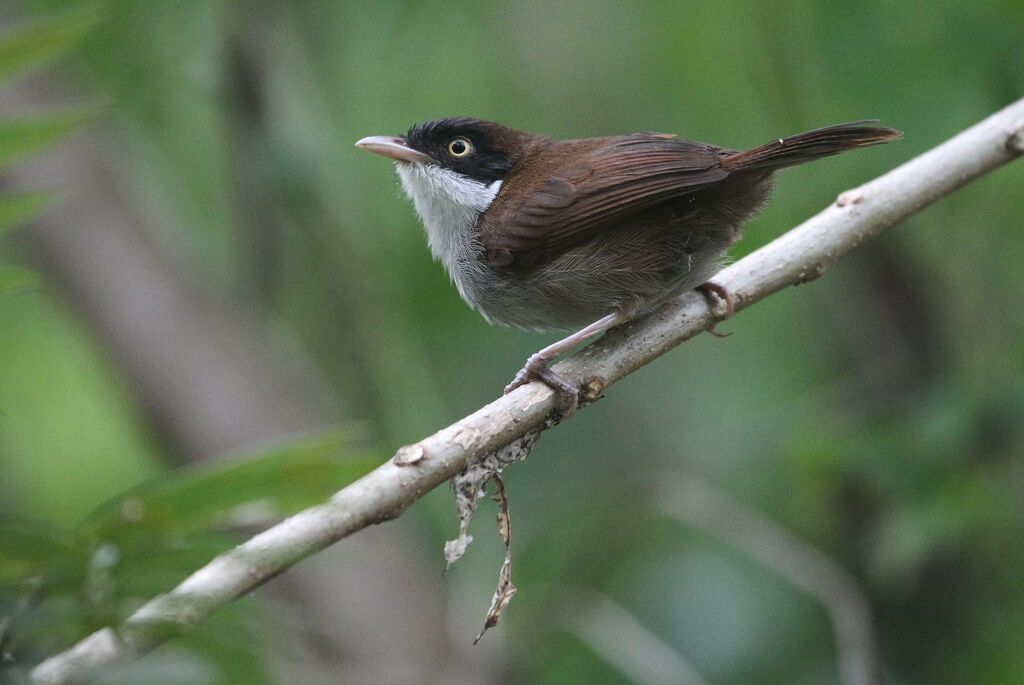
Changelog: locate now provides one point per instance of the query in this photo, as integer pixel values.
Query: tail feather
(811, 145)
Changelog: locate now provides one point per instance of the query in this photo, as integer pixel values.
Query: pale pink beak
(392, 147)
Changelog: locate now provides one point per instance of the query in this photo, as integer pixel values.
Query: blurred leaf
(14, 278)
(15, 209)
(229, 648)
(154, 564)
(21, 137)
(240, 491)
(31, 548)
(960, 510)
(46, 39)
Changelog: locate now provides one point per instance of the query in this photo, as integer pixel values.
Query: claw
(568, 393)
(722, 293)
(537, 365)
(537, 368)
(717, 333)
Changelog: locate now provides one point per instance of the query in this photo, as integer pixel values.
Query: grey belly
(626, 269)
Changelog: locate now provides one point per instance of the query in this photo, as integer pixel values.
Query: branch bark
(800, 255)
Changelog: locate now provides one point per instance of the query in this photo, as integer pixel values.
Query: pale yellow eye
(459, 147)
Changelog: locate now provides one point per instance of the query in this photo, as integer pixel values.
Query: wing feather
(618, 177)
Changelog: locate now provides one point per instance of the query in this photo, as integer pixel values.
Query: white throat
(449, 205)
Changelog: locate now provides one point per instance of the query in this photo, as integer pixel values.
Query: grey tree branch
(615, 635)
(796, 257)
(695, 503)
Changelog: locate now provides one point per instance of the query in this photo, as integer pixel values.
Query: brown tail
(811, 145)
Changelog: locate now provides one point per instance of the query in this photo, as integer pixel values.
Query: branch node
(811, 273)
(850, 197)
(409, 455)
(1015, 143)
(592, 389)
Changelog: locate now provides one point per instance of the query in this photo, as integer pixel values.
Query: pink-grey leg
(536, 367)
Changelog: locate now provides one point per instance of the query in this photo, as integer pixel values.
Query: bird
(587, 234)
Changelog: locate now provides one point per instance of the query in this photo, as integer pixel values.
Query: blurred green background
(221, 268)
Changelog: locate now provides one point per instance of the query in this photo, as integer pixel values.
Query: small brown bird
(546, 234)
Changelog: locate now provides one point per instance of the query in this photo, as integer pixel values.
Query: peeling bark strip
(387, 491)
(506, 590)
(469, 489)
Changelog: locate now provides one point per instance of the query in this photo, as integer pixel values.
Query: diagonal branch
(695, 503)
(800, 255)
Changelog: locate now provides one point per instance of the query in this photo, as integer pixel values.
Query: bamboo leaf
(19, 138)
(13, 278)
(30, 548)
(269, 485)
(16, 209)
(44, 40)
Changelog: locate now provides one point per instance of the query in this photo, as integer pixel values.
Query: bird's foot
(536, 368)
(723, 294)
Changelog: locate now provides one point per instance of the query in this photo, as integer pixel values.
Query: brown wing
(607, 181)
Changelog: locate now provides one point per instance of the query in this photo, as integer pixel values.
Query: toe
(537, 368)
(722, 293)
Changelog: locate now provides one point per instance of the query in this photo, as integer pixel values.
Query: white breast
(449, 204)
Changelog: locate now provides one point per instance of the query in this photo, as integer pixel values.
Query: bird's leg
(537, 368)
(722, 293)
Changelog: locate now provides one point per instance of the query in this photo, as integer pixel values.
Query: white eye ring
(459, 147)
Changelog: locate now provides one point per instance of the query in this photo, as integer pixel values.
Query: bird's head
(452, 168)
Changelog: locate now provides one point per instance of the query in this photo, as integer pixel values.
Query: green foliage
(19, 138)
(32, 549)
(45, 39)
(27, 47)
(148, 539)
(227, 492)
(15, 209)
(14, 278)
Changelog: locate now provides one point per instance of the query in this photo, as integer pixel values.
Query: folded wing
(596, 192)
